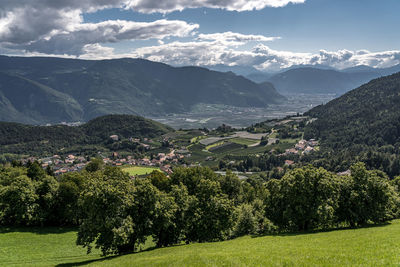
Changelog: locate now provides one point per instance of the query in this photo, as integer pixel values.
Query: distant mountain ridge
(309, 79)
(50, 90)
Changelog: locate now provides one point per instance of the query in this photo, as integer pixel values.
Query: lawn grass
(372, 246)
(140, 170)
(41, 247)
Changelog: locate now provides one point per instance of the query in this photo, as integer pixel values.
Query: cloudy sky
(265, 34)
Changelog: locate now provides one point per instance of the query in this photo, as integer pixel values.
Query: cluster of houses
(60, 165)
(303, 146)
(73, 163)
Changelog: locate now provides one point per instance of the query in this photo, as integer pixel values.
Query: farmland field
(372, 246)
(244, 141)
(140, 170)
(215, 145)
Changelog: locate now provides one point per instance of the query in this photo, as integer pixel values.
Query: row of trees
(117, 213)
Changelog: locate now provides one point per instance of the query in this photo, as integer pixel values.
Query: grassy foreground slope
(373, 246)
(40, 247)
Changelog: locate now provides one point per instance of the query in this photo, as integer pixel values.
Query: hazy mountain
(49, 90)
(321, 79)
(24, 100)
(239, 70)
(318, 81)
(361, 68)
(260, 77)
(380, 71)
(391, 70)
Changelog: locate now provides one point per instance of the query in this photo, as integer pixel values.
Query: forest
(362, 125)
(47, 140)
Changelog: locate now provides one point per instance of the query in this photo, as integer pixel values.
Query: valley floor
(372, 246)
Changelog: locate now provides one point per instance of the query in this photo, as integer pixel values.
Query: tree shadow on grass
(37, 230)
(81, 263)
(297, 233)
(103, 259)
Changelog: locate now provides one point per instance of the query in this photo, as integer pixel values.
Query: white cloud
(49, 26)
(206, 49)
(203, 53)
(165, 6)
(235, 38)
(57, 26)
(73, 41)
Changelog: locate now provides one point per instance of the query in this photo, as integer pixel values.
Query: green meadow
(371, 246)
(140, 170)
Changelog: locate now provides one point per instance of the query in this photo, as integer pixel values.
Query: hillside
(374, 246)
(55, 89)
(365, 119)
(369, 114)
(33, 140)
(24, 100)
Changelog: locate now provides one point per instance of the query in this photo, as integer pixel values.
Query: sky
(265, 34)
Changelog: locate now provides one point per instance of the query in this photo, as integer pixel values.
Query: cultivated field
(140, 170)
(373, 246)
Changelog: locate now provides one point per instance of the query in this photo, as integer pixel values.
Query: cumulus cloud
(57, 27)
(207, 49)
(262, 57)
(49, 26)
(165, 6)
(22, 21)
(73, 41)
(235, 38)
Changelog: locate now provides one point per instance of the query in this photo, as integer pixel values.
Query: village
(172, 155)
(74, 162)
(302, 147)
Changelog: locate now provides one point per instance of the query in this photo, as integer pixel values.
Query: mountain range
(40, 90)
(309, 79)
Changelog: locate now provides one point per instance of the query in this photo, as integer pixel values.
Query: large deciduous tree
(303, 199)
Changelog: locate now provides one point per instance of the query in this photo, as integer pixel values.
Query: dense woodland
(117, 213)
(362, 125)
(46, 140)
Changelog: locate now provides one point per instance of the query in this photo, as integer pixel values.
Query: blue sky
(337, 33)
(308, 27)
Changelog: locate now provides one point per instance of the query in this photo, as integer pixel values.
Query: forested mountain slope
(363, 123)
(27, 139)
